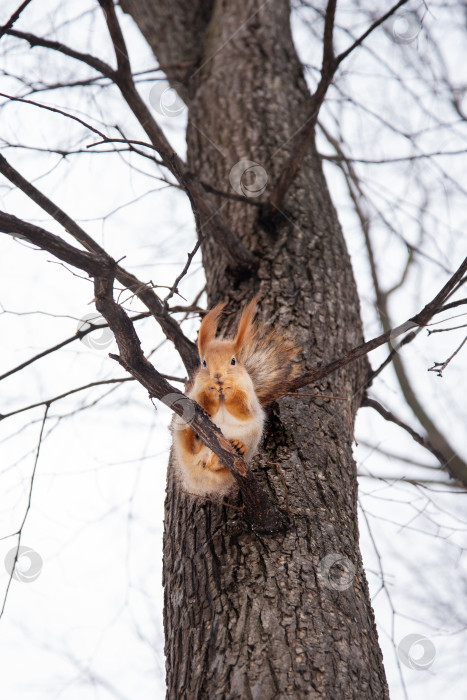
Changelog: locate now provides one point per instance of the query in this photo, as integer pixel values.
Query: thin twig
(439, 367)
(174, 287)
(79, 335)
(48, 402)
(55, 110)
(366, 34)
(19, 532)
(445, 330)
(88, 59)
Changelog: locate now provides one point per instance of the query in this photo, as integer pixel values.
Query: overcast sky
(89, 624)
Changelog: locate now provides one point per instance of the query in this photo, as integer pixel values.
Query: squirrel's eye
(232, 362)
(204, 363)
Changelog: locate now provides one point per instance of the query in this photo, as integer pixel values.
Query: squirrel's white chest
(249, 431)
(225, 420)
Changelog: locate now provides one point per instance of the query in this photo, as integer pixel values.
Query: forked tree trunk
(249, 616)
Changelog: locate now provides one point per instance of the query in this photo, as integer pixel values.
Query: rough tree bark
(249, 616)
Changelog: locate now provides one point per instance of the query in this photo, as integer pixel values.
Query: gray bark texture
(248, 615)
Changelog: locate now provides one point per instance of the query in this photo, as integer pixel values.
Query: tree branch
(93, 264)
(170, 327)
(261, 513)
(79, 335)
(367, 33)
(420, 319)
(452, 305)
(305, 135)
(456, 466)
(439, 367)
(449, 459)
(55, 110)
(241, 261)
(67, 393)
(121, 51)
(13, 18)
(174, 288)
(387, 415)
(88, 59)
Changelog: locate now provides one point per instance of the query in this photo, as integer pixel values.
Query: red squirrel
(237, 377)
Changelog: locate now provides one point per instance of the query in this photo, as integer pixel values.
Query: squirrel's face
(221, 368)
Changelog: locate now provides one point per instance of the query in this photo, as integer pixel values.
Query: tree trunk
(249, 616)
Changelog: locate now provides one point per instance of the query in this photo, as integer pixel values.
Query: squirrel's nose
(218, 378)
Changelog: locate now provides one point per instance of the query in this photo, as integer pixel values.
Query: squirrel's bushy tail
(269, 358)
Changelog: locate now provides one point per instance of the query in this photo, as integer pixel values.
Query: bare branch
(88, 59)
(76, 390)
(19, 532)
(79, 335)
(305, 135)
(439, 367)
(328, 48)
(420, 319)
(174, 288)
(388, 161)
(446, 330)
(366, 34)
(422, 483)
(456, 466)
(240, 260)
(48, 402)
(260, 511)
(13, 18)
(387, 415)
(405, 341)
(452, 305)
(56, 110)
(93, 264)
(121, 52)
(170, 327)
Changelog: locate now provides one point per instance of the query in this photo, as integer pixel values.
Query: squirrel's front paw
(239, 447)
(210, 401)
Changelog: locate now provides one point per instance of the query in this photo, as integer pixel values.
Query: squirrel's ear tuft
(208, 329)
(245, 326)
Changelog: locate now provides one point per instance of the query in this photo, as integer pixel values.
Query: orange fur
(191, 442)
(237, 405)
(208, 329)
(236, 378)
(209, 401)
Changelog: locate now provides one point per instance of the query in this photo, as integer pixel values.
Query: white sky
(90, 626)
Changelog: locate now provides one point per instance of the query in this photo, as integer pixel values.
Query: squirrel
(237, 378)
